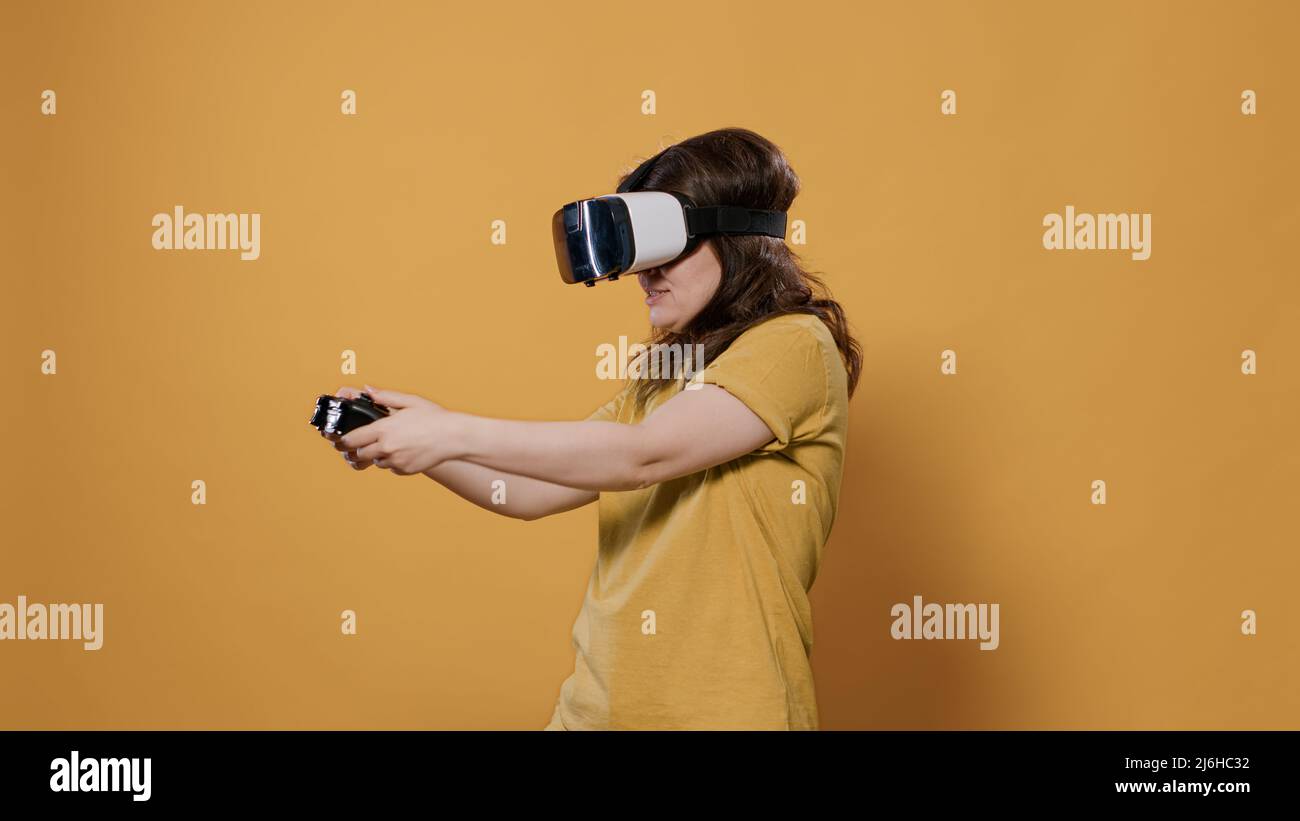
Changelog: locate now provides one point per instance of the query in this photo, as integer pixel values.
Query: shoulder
(789, 350)
(782, 369)
(787, 325)
(791, 334)
(800, 338)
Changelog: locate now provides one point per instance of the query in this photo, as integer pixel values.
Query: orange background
(1072, 366)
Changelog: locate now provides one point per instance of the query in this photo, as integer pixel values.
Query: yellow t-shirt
(696, 615)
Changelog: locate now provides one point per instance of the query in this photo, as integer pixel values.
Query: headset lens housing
(593, 239)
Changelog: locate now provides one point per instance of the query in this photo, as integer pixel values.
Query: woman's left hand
(413, 438)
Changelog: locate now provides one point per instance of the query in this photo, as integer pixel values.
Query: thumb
(390, 399)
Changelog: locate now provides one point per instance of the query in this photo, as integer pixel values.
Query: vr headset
(615, 234)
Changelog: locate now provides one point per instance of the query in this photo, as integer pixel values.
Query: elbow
(645, 470)
(637, 479)
(638, 462)
(646, 475)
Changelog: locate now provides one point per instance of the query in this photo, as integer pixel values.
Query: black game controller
(337, 415)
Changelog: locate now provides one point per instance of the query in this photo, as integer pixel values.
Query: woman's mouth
(652, 296)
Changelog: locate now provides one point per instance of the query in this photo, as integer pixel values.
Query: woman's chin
(659, 318)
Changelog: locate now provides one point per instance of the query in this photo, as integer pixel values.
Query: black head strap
(714, 219)
(733, 219)
(634, 180)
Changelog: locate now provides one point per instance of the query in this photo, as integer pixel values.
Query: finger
(354, 462)
(392, 399)
(347, 393)
(364, 435)
(370, 453)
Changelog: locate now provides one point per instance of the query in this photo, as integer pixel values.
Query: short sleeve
(609, 411)
(778, 369)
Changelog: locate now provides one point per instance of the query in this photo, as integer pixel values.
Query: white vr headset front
(608, 236)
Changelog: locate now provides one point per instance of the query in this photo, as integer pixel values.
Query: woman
(716, 495)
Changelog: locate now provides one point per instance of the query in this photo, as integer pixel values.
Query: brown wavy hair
(761, 276)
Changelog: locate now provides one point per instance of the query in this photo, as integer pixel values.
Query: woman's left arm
(694, 430)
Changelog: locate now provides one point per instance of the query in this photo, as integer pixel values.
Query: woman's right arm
(520, 496)
(524, 497)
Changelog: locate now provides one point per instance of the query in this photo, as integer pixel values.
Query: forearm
(589, 455)
(519, 497)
